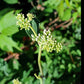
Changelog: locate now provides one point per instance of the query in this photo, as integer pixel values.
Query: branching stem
(39, 60)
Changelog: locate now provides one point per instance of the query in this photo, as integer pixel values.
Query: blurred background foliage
(18, 54)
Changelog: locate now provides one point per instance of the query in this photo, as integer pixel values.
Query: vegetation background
(18, 54)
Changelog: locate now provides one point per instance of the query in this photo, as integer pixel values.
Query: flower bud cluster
(16, 81)
(30, 16)
(58, 47)
(47, 42)
(23, 22)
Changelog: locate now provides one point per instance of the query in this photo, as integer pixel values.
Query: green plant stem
(39, 64)
(39, 58)
(33, 31)
(41, 81)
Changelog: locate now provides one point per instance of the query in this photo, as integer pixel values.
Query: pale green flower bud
(23, 22)
(16, 81)
(30, 16)
(58, 47)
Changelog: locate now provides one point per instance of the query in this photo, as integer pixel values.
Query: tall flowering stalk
(44, 40)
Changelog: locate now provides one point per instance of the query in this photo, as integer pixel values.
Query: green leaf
(67, 14)
(62, 66)
(8, 27)
(10, 30)
(4, 11)
(60, 9)
(35, 26)
(67, 2)
(29, 32)
(7, 44)
(74, 15)
(69, 67)
(78, 52)
(16, 64)
(49, 10)
(79, 10)
(8, 21)
(11, 1)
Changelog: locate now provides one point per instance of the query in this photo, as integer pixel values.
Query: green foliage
(11, 1)
(67, 15)
(4, 11)
(8, 28)
(60, 9)
(7, 44)
(16, 64)
(64, 8)
(67, 2)
(61, 68)
(8, 20)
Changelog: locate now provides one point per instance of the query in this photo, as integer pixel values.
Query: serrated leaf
(7, 21)
(7, 44)
(11, 1)
(10, 30)
(35, 26)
